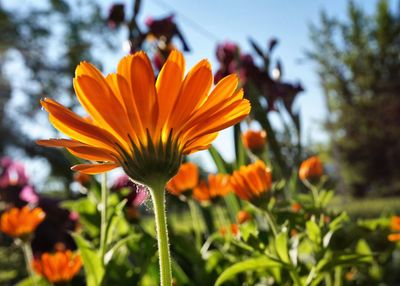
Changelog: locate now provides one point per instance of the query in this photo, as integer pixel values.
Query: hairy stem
(158, 197)
(103, 211)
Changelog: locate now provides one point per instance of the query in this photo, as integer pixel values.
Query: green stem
(271, 222)
(103, 211)
(295, 277)
(196, 222)
(27, 250)
(314, 192)
(158, 197)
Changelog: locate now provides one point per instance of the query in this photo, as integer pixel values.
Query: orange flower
(234, 229)
(186, 179)
(243, 216)
(394, 226)
(395, 223)
(217, 186)
(251, 181)
(296, 207)
(142, 124)
(394, 237)
(21, 222)
(311, 168)
(254, 140)
(293, 232)
(61, 266)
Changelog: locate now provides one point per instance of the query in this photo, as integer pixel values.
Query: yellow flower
(254, 140)
(142, 124)
(186, 179)
(311, 168)
(217, 186)
(251, 181)
(21, 222)
(61, 266)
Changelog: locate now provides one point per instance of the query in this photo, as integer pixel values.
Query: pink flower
(13, 173)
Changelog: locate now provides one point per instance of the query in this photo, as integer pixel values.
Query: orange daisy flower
(251, 181)
(311, 168)
(216, 186)
(61, 266)
(21, 222)
(395, 223)
(254, 140)
(243, 216)
(186, 179)
(394, 226)
(142, 124)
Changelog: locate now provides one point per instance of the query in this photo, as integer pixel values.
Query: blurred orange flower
(234, 229)
(395, 223)
(21, 222)
(61, 266)
(394, 226)
(251, 181)
(311, 168)
(142, 124)
(296, 207)
(243, 216)
(186, 179)
(254, 140)
(216, 186)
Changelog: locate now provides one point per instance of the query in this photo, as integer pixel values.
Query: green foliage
(358, 65)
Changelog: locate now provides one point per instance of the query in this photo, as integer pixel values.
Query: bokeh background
(326, 72)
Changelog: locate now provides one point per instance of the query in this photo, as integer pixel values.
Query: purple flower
(138, 193)
(13, 173)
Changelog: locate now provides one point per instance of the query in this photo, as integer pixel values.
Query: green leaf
(94, 269)
(222, 165)
(34, 281)
(253, 264)
(109, 255)
(362, 247)
(326, 197)
(281, 244)
(313, 232)
(240, 151)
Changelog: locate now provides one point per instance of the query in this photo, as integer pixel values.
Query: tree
(359, 68)
(48, 40)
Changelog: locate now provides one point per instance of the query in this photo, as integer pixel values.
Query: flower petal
(102, 105)
(93, 169)
(137, 71)
(77, 128)
(193, 92)
(92, 153)
(168, 85)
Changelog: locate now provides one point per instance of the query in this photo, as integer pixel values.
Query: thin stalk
(271, 222)
(158, 197)
(314, 192)
(295, 277)
(27, 250)
(103, 212)
(221, 217)
(196, 222)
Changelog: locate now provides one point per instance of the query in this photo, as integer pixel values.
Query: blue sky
(204, 23)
